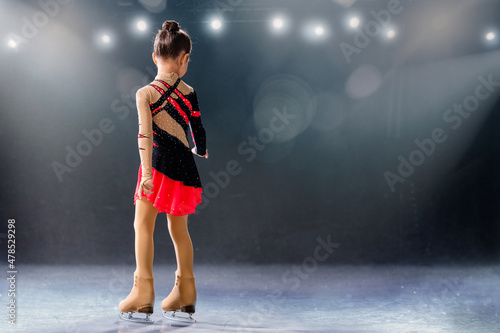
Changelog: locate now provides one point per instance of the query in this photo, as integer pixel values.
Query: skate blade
(128, 316)
(180, 317)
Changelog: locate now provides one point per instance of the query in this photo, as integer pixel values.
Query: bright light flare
(12, 44)
(106, 39)
(278, 23)
(354, 22)
(391, 33)
(141, 25)
(490, 36)
(319, 30)
(216, 24)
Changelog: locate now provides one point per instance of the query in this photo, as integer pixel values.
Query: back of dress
(168, 111)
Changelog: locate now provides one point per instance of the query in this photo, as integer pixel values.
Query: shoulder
(184, 88)
(144, 92)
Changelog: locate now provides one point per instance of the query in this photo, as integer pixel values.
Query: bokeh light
(106, 39)
(278, 23)
(354, 22)
(216, 24)
(363, 82)
(141, 25)
(319, 30)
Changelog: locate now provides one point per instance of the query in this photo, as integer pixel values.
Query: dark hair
(171, 40)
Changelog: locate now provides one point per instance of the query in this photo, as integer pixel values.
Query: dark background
(322, 176)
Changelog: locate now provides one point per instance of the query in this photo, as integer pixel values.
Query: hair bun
(171, 26)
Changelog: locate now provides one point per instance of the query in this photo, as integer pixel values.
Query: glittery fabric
(168, 111)
(170, 196)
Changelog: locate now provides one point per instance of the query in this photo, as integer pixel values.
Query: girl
(168, 180)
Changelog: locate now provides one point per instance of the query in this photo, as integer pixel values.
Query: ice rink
(275, 298)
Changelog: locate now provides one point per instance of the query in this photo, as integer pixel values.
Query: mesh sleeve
(145, 136)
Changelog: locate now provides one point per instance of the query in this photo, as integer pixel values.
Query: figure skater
(168, 180)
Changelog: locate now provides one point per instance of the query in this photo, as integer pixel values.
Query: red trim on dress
(180, 200)
(178, 108)
(158, 108)
(178, 93)
(184, 99)
(158, 89)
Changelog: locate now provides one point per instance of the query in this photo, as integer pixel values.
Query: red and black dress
(168, 110)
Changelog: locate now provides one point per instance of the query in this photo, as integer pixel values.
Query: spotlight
(391, 34)
(12, 44)
(278, 23)
(354, 22)
(106, 39)
(315, 31)
(216, 24)
(319, 30)
(490, 36)
(141, 25)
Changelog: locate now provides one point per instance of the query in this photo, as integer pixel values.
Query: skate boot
(141, 300)
(182, 299)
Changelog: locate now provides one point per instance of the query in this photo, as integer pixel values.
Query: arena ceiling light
(278, 23)
(490, 36)
(141, 25)
(315, 31)
(106, 39)
(354, 22)
(216, 24)
(12, 44)
(319, 30)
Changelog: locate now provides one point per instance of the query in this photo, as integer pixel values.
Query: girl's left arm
(197, 129)
(145, 139)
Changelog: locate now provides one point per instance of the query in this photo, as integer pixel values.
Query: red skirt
(170, 196)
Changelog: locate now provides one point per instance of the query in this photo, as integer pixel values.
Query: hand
(146, 185)
(194, 152)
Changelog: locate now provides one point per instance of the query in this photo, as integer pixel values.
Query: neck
(168, 67)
